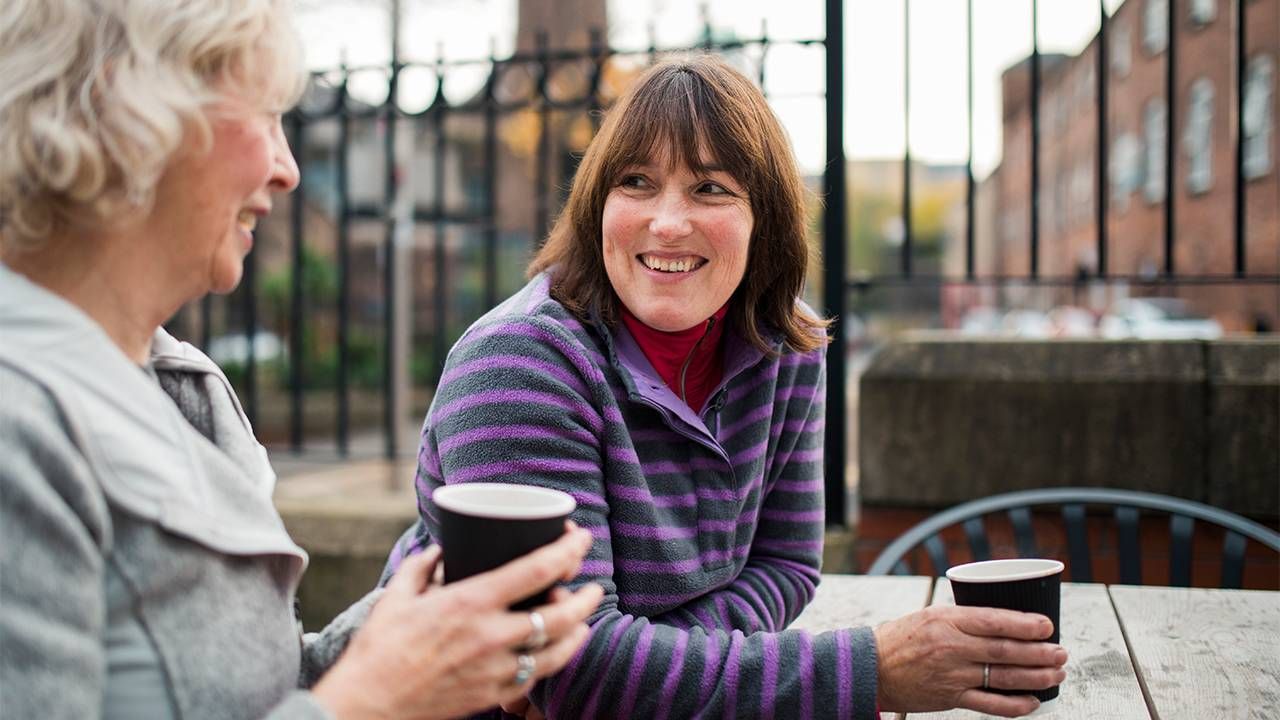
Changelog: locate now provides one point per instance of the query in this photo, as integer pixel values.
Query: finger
(531, 573)
(993, 622)
(1008, 677)
(517, 706)
(551, 659)
(1021, 652)
(414, 573)
(993, 704)
(558, 618)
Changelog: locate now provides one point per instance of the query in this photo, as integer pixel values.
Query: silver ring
(538, 636)
(525, 667)
(986, 676)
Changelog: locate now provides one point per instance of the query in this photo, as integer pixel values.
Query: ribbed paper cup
(1025, 584)
(485, 525)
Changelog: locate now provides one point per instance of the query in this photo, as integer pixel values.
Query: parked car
(1157, 319)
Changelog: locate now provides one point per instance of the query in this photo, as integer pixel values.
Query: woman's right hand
(448, 651)
(933, 660)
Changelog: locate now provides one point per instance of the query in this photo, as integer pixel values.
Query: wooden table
(1136, 652)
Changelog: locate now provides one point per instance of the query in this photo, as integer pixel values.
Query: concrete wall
(942, 421)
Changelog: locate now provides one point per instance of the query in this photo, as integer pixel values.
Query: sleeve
(321, 650)
(521, 402)
(53, 530)
(784, 565)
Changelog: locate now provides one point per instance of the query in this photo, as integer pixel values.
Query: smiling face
(208, 202)
(676, 241)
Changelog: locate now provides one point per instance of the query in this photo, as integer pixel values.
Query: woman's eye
(710, 188)
(634, 181)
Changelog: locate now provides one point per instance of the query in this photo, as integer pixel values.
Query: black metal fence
(331, 102)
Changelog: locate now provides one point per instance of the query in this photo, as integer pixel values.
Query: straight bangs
(679, 120)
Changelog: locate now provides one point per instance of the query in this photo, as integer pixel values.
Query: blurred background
(1062, 219)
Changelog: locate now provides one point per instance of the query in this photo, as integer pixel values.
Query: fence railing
(400, 213)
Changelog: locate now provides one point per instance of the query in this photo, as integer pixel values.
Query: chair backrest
(1127, 507)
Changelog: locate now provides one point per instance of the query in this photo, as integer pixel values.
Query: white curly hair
(99, 94)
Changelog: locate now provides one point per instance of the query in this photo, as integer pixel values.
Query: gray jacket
(144, 571)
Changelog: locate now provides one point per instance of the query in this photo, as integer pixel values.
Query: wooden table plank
(854, 600)
(1101, 682)
(1204, 653)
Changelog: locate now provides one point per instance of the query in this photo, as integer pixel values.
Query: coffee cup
(1024, 584)
(486, 525)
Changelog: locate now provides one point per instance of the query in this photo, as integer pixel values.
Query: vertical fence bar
(1241, 57)
(905, 250)
(343, 427)
(1035, 140)
(1104, 75)
(542, 174)
(250, 309)
(491, 182)
(834, 283)
(1171, 113)
(968, 162)
(389, 258)
(441, 314)
(296, 296)
(764, 51)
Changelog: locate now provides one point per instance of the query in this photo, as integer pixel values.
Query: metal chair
(1127, 507)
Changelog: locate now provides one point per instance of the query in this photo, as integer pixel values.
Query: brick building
(1205, 106)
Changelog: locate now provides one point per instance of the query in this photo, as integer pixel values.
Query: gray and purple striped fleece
(708, 527)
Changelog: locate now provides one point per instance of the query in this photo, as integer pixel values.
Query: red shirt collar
(668, 351)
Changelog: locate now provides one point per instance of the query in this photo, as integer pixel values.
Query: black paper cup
(1026, 585)
(485, 525)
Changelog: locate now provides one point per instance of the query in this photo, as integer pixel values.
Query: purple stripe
(774, 591)
(844, 674)
(710, 669)
(519, 397)
(516, 362)
(811, 485)
(533, 466)
(680, 467)
(751, 616)
(664, 567)
(805, 424)
(596, 568)
(772, 544)
(718, 525)
(624, 454)
(762, 413)
(635, 674)
(806, 516)
(619, 628)
(722, 612)
(800, 456)
(730, 677)
(749, 454)
(563, 680)
(796, 392)
(654, 435)
(572, 351)
(808, 572)
(704, 617)
(736, 394)
(756, 604)
(674, 671)
(768, 687)
(642, 495)
(716, 494)
(652, 532)
(806, 675)
(490, 433)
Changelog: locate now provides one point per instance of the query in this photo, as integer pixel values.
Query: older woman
(660, 367)
(143, 569)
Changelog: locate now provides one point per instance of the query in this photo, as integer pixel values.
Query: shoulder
(44, 473)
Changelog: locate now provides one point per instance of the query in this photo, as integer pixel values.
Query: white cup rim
(992, 571)
(505, 501)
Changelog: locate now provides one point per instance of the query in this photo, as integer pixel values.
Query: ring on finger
(537, 638)
(986, 676)
(526, 665)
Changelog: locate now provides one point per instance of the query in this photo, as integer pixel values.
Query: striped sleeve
(521, 401)
(785, 561)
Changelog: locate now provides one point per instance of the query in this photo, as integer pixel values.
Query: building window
(1197, 140)
(1258, 91)
(1203, 12)
(1125, 170)
(1155, 26)
(1153, 131)
(1121, 53)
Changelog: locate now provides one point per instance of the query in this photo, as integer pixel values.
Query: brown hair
(694, 107)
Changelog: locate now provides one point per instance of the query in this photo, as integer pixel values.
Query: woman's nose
(670, 219)
(284, 176)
